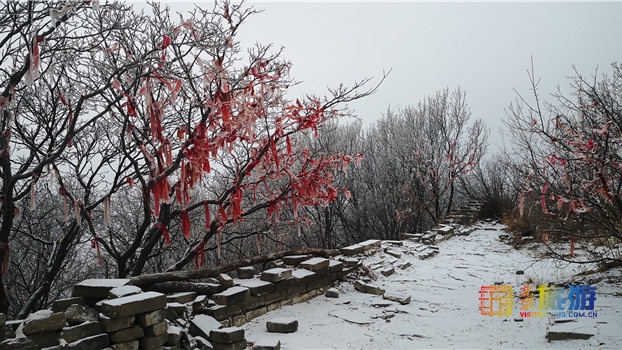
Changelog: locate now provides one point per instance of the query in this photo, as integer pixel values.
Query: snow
(96, 282)
(233, 291)
(444, 312)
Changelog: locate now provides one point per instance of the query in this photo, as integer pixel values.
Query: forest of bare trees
(139, 142)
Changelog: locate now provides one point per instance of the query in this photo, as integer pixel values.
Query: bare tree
(569, 153)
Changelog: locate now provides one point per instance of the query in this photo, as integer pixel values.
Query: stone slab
(133, 304)
(315, 264)
(202, 325)
(97, 288)
(44, 321)
(276, 274)
(227, 335)
(231, 295)
(282, 325)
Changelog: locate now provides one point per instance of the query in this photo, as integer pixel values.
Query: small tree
(571, 156)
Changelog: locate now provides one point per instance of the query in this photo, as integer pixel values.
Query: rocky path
(444, 308)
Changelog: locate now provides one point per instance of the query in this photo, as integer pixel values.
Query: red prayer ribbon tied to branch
(95, 245)
(4, 247)
(167, 236)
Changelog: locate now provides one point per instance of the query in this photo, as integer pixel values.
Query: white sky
(484, 47)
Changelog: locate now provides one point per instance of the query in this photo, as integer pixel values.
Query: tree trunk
(51, 271)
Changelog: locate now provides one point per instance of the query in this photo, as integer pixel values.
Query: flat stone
(21, 343)
(257, 287)
(274, 264)
(352, 250)
(44, 321)
(245, 272)
(393, 253)
(127, 334)
(178, 308)
(315, 264)
(368, 288)
(150, 318)
(114, 324)
(231, 295)
(46, 339)
(267, 344)
(332, 293)
(123, 291)
(133, 304)
(84, 330)
(97, 288)
(174, 335)
(276, 275)
(201, 303)
(225, 280)
(227, 335)
(202, 325)
(151, 343)
(294, 260)
(77, 314)
(350, 262)
(182, 297)
(387, 271)
(282, 326)
(61, 305)
(99, 341)
(371, 243)
(130, 345)
(399, 298)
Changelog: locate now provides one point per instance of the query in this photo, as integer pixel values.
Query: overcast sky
(483, 47)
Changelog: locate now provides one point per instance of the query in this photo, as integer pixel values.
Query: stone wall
(199, 314)
(205, 313)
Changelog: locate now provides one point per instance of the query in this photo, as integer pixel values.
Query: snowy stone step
(315, 264)
(44, 321)
(61, 305)
(181, 297)
(294, 260)
(133, 304)
(123, 291)
(202, 325)
(245, 272)
(97, 288)
(231, 295)
(276, 274)
(229, 335)
(352, 250)
(257, 287)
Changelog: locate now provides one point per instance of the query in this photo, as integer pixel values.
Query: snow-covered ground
(444, 311)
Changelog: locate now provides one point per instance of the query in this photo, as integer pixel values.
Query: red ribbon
(95, 244)
(167, 237)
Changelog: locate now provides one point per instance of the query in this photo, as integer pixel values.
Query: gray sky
(484, 47)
